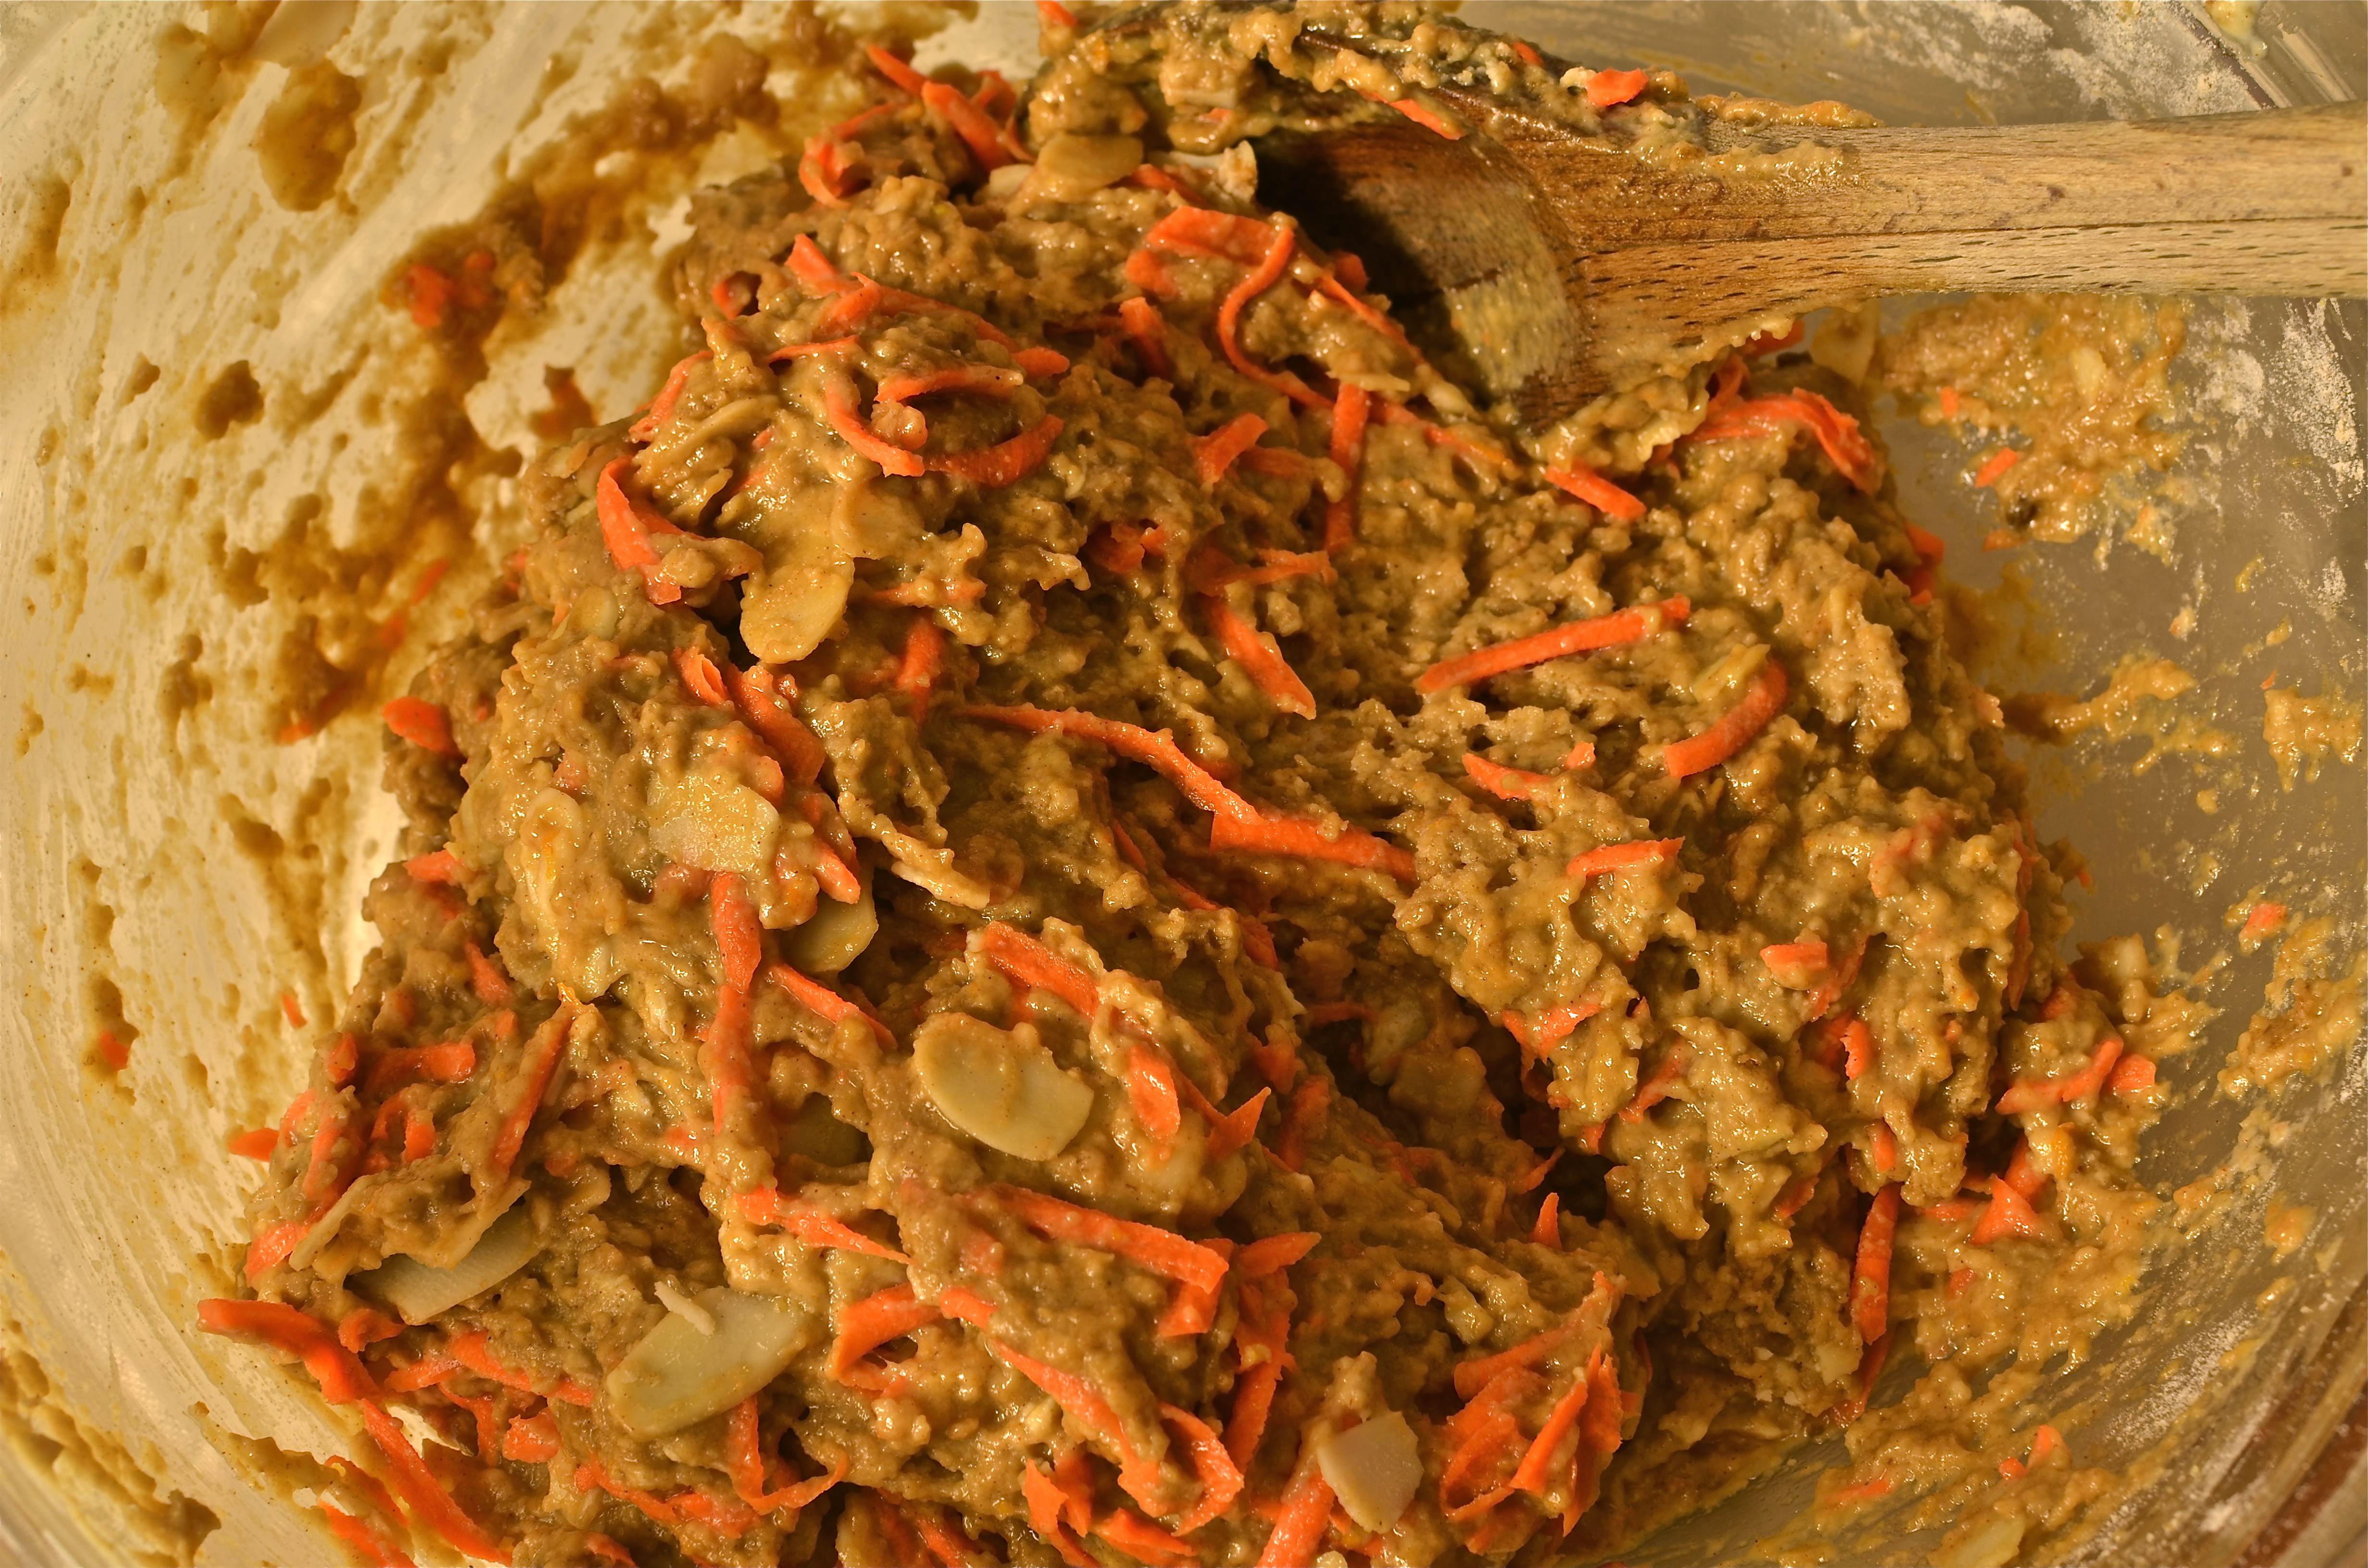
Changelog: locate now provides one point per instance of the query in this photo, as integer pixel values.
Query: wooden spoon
(1545, 265)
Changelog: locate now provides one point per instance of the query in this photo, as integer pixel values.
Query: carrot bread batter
(1070, 916)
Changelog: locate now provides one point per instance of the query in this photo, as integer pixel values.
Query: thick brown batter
(1069, 916)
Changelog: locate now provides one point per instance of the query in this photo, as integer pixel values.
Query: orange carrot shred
(422, 723)
(1563, 641)
(1004, 463)
(1151, 1091)
(1835, 431)
(1551, 1027)
(1350, 411)
(441, 867)
(1735, 729)
(1505, 783)
(2264, 918)
(1547, 1232)
(1213, 453)
(839, 402)
(1155, 749)
(259, 1144)
(819, 999)
(423, 1493)
(1043, 1497)
(1994, 468)
(1858, 1049)
(1610, 857)
(1871, 1274)
(967, 121)
(897, 70)
(2131, 1076)
(1306, 840)
(1605, 89)
(1162, 1251)
(766, 1205)
(1883, 1147)
(2010, 1214)
(1236, 1127)
(1269, 271)
(866, 1325)
(541, 1060)
(1148, 333)
(1306, 1515)
(1259, 656)
(1023, 958)
(1041, 361)
(1596, 490)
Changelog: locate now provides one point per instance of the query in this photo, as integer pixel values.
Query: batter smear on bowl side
(1069, 915)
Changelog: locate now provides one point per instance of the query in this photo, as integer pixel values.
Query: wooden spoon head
(1452, 233)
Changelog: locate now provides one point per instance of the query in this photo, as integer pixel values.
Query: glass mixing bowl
(210, 459)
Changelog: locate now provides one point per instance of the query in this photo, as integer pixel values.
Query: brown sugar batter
(1067, 914)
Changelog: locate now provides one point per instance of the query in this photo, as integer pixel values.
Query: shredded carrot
(1004, 463)
(1864, 1492)
(423, 1493)
(2132, 1074)
(2010, 1214)
(1032, 965)
(1269, 271)
(1306, 1514)
(485, 977)
(967, 121)
(1795, 961)
(814, 269)
(819, 999)
(1041, 361)
(1575, 637)
(1297, 836)
(1253, 1402)
(1350, 411)
(897, 70)
(1607, 89)
(1155, 749)
(1505, 783)
(259, 1144)
(1596, 490)
(1199, 231)
(839, 402)
(1735, 729)
(1871, 1274)
(744, 1461)
(422, 723)
(1220, 1477)
(1870, 1368)
(739, 939)
(1259, 656)
(1237, 1128)
(534, 1075)
(1547, 1232)
(2023, 1172)
(1426, 117)
(924, 660)
(441, 867)
(342, 1377)
(1883, 1147)
(1835, 431)
(367, 1542)
(2264, 918)
(991, 380)
(1994, 468)
(1162, 1251)
(866, 1325)
(1655, 1089)
(766, 1205)
(822, 168)
(1052, 14)
(1213, 453)
(1858, 1049)
(967, 1305)
(757, 695)
(1073, 1393)
(789, 351)
(1552, 1028)
(2026, 1094)
(1610, 857)
(1151, 1091)
(1148, 333)
(1949, 401)
(1044, 1497)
